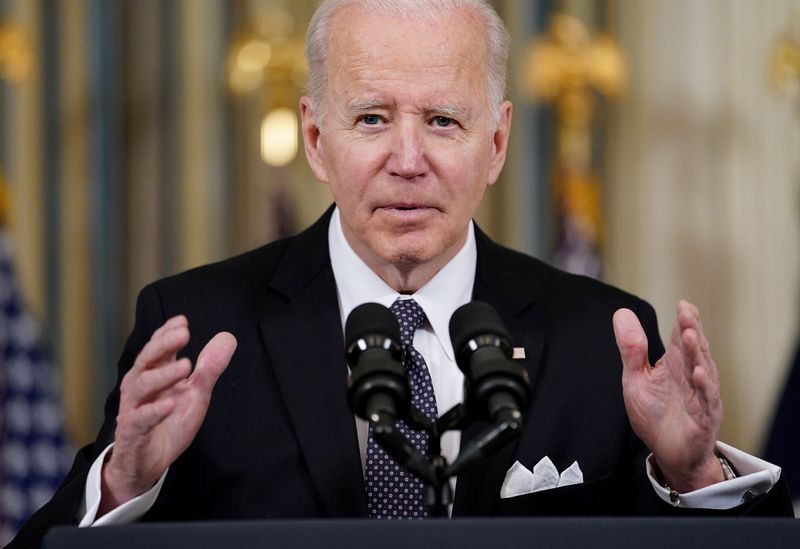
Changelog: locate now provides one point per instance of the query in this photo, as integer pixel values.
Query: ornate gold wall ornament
(785, 66)
(565, 68)
(568, 58)
(16, 64)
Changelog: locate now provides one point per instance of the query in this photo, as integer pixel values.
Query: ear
(311, 139)
(500, 141)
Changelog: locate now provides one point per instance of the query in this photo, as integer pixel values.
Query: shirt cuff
(756, 477)
(129, 511)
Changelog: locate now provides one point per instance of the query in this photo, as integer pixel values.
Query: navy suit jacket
(280, 441)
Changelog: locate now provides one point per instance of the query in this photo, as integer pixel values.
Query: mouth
(407, 213)
(406, 207)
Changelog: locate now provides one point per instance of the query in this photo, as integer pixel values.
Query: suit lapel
(301, 326)
(498, 282)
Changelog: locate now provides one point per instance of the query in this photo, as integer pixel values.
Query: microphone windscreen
(474, 319)
(370, 319)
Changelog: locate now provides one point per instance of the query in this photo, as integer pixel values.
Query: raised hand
(674, 405)
(161, 409)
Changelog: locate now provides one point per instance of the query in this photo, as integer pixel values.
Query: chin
(417, 248)
(405, 257)
(409, 260)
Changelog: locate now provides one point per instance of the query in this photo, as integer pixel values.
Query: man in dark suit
(406, 122)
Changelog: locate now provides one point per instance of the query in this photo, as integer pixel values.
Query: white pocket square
(520, 480)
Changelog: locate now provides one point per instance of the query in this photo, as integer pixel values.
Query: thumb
(631, 340)
(213, 360)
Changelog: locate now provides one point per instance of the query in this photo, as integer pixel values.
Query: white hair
(497, 40)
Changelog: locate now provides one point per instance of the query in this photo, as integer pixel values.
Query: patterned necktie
(393, 492)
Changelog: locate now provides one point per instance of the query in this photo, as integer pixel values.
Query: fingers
(631, 340)
(162, 405)
(213, 360)
(175, 322)
(707, 391)
(150, 383)
(155, 368)
(693, 343)
(703, 376)
(164, 344)
(689, 318)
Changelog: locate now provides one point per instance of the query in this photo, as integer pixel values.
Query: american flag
(33, 454)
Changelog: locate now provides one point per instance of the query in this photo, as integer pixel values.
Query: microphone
(378, 389)
(497, 388)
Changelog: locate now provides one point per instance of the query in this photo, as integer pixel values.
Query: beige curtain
(704, 187)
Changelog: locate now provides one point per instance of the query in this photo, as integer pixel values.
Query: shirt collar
(450, 288)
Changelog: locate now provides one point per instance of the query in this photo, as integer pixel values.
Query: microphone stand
(434, 471)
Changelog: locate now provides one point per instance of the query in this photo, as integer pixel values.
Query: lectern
(617, 533)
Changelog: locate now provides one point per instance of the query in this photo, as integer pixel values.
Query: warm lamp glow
(16, 61)
(254, 56)
(279, 137)
(246, 65)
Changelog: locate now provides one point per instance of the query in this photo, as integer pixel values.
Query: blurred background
(655, 145)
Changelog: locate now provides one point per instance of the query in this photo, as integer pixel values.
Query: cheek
(343, 172)
(354, 163)
(465, 178)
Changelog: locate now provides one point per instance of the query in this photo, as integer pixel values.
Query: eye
(371, 119)
(443, 121)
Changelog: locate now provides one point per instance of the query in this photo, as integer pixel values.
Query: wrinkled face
(407, 140)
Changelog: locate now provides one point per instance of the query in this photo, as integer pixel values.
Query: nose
(407, 159)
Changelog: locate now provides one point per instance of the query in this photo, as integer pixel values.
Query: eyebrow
(450, 111)
(366, 105)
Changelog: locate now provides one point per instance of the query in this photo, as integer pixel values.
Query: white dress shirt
(450, 288)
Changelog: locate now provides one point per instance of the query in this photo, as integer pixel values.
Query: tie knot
(410, 316)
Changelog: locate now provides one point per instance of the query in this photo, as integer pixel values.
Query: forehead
(442, 53)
